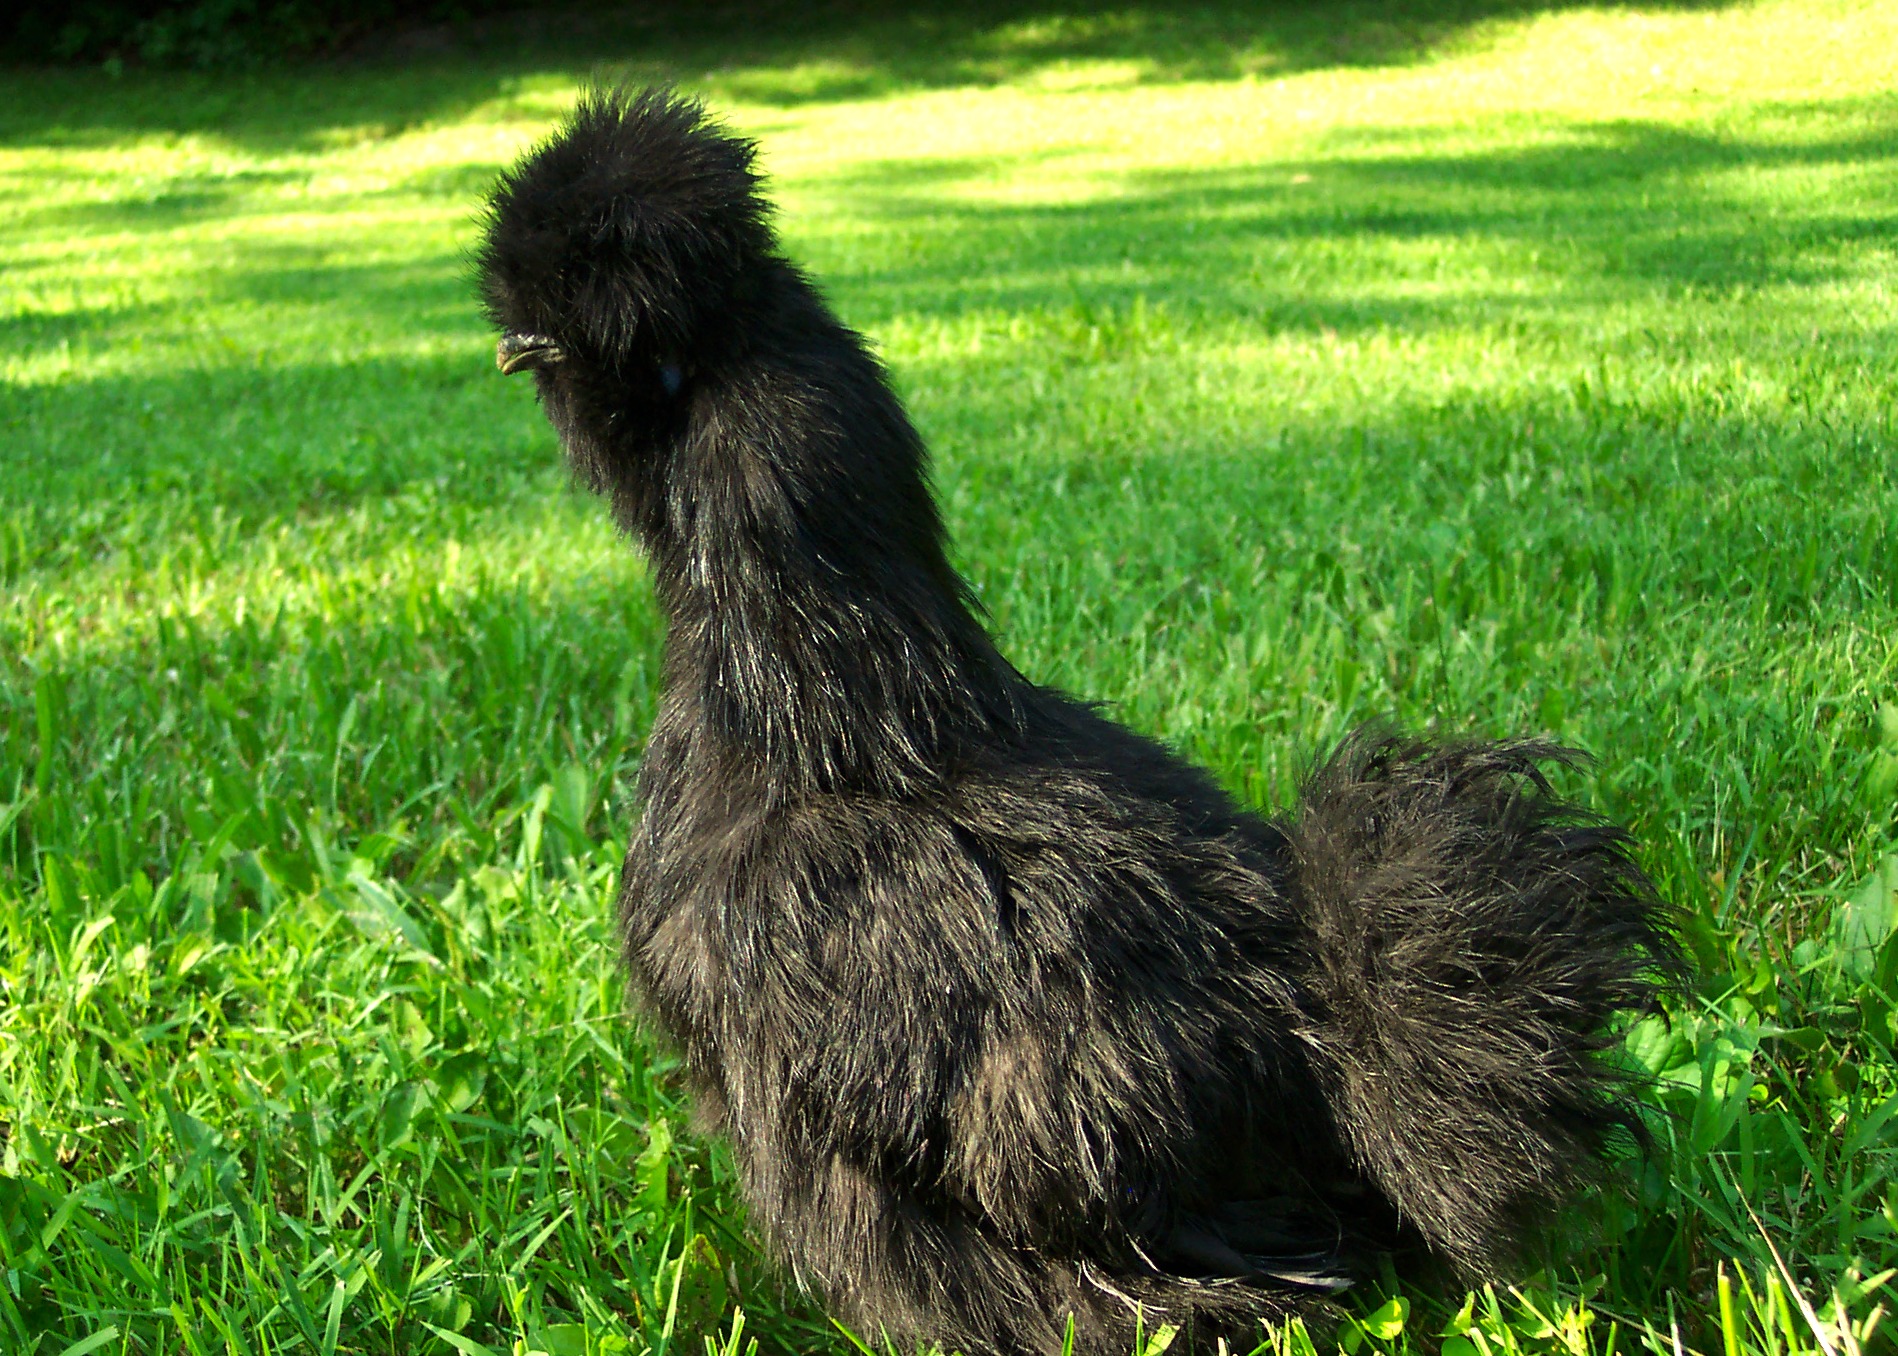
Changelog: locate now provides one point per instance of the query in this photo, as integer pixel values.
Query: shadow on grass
(1783, 509)
(778, 54)
(1387, 233)
(1599, 228)
(1609, 213)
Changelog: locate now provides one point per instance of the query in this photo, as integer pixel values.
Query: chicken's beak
(518, 351)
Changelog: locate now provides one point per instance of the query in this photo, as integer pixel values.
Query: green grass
(1508, 368)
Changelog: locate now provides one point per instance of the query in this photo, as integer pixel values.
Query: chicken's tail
(1471, 938)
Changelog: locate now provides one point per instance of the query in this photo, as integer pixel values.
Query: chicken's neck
(817, 630)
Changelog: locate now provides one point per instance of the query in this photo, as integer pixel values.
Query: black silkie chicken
(1010, 1014)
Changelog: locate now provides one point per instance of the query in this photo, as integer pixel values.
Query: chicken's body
(1010, 1014)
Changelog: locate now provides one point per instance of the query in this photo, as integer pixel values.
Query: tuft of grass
(1496, 367)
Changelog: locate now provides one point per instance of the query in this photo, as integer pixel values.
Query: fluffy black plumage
(1010, 1013)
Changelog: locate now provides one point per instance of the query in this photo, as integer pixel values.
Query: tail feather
(1471, 936)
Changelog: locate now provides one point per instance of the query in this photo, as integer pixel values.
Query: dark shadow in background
(1172, 260)
(1619, 211)
(1635, 212)
(780, 52)
(1627, 202)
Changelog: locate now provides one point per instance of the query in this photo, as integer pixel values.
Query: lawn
(1494, 367)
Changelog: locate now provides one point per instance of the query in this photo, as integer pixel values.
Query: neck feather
(817, 628)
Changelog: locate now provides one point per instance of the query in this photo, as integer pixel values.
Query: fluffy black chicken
(1010, 1014)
